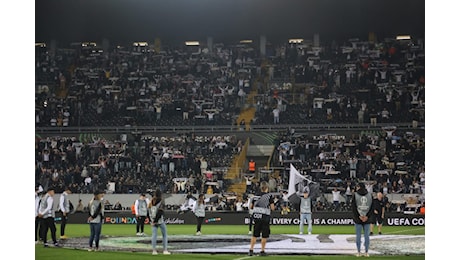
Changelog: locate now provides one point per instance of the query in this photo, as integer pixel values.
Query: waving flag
(297, 184)
(294, 179)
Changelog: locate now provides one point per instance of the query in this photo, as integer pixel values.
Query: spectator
(80, 208)
(188, 204)
(373, 116)
(276, 115)
(117, 206)
(336, 198)
(239, 205)
(385, 114)
(285, 209)
(348, 193)
(242, 124)
(360, 116)
(252, 166)
(242, 96)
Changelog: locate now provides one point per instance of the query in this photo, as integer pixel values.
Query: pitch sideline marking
(246, 257)
(400, 231)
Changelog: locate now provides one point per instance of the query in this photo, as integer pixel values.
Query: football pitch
(232, 242)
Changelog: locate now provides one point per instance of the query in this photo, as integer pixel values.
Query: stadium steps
(234, 174)
(249, 112)
(248, 115)
(238, 188)
(238, 184)
(61, 92)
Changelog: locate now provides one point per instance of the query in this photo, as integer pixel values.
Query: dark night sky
(122, 21)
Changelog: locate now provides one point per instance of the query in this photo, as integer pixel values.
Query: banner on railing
(237, 218)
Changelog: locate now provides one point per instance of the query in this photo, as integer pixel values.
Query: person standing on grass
(200, 212)
(251, 219)
(379, 213)
(362, 208)
(38, 227)
(64, 207)
(95, 219)
(305, 210)
(46, 214)
(141, 212)
(156, 213)
(262, 207)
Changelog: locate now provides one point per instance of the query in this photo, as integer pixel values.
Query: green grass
(82, 230)
(53, 253)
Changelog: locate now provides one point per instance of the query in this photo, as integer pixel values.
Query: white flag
(294, 178)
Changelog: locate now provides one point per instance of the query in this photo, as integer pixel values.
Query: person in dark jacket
(362, 208)
(379, 213)
(261, 206)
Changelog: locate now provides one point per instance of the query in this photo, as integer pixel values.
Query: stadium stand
(84, 90)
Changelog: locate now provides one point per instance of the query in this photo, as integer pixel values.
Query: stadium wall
(127, 200)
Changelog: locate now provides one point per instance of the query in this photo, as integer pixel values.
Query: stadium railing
(221, 128)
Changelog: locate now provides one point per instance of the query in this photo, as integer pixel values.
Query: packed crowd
(391, 162)
(173, 164)
(142, 87)
(355, 82)
(388, 161)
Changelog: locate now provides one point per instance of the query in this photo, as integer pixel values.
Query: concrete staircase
(249, 111)
(238, 188)
(237, 182)
(240, 162)
(260, 150)
(61, 92)
(261, 154)
(248, 115)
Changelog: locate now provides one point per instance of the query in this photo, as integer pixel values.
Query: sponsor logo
(406, 221)
(133, 220)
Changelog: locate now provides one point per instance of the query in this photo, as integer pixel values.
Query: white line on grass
(401, 231)
(242, 258)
